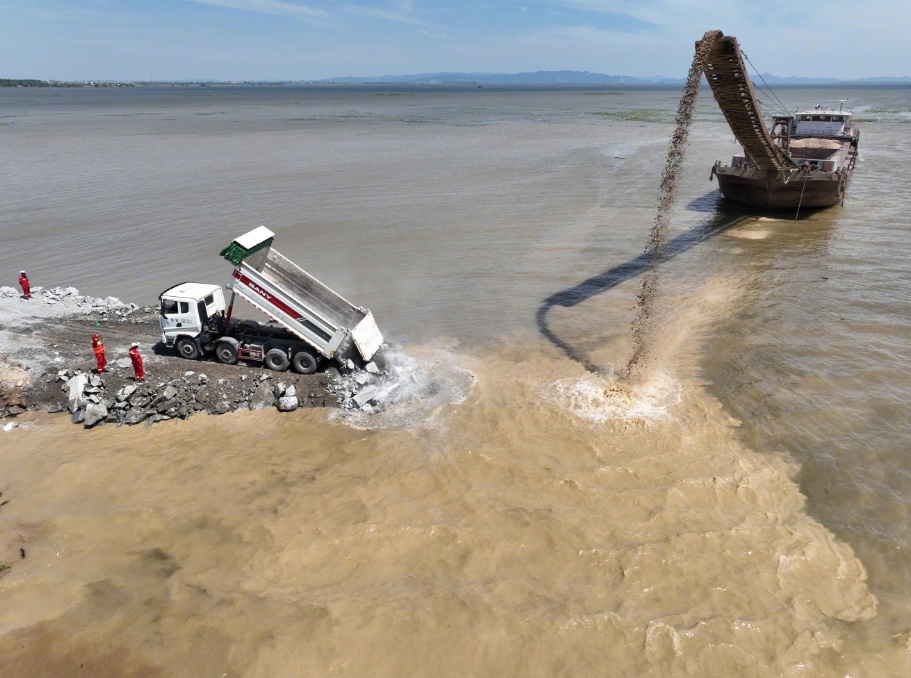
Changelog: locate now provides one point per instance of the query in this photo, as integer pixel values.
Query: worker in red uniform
(138, 370)
(26, 285)
(100, 358)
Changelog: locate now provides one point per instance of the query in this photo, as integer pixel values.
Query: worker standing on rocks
(100, 358)
(138, 369)
(26, 285)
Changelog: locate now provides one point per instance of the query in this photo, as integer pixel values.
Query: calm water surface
(744, 508)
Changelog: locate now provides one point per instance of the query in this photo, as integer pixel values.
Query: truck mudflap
(367, 336)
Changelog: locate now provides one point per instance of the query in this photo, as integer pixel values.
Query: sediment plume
(643, 329)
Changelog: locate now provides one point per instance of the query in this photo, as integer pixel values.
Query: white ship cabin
(822, 122)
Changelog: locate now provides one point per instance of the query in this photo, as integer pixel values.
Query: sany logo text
(256, 288)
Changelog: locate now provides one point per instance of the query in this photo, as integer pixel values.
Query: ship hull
(772, 190)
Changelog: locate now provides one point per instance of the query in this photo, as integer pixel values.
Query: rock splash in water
(643, 326)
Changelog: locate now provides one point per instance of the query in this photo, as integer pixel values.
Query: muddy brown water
(742, 509)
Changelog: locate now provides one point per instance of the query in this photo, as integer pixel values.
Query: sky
(320, 39)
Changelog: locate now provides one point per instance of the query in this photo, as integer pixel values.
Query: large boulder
(94, 413)
(262, 397)
(288, 403)
(76, 386)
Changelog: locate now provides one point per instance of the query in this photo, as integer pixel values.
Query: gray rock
(373, 393)
(372, 368)
(78, 417)
(262, 397)
(126, 392)
(169, 392)
(279, 389)
(189, 373)
(94, 413)
(55, 408)
(76, 386)
(134, 417)
(15, 410)
(203, 379)
(222, 407)
(287, 403)
(290, 392)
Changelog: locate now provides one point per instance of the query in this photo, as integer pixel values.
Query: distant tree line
(23, 83)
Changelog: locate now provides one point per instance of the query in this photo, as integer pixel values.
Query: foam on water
(412, 389)
(599, 400)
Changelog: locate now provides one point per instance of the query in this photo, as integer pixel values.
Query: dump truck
(308, 323)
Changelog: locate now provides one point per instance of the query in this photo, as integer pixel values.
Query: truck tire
(276, 359)
(226, 352)
(305, 362)
(187, 348)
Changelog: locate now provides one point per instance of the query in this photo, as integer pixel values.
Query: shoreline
(45, 350)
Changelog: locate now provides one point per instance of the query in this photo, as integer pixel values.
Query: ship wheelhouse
(822, 123)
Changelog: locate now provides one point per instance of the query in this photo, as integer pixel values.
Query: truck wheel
(276, 359)
(187, 348)
(305, 362)
(226, 352)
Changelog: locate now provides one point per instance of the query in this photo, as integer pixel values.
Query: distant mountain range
(584, 78)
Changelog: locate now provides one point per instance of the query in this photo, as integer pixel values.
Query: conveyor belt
(727, 76)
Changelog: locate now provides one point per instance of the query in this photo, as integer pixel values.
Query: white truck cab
(186, 308)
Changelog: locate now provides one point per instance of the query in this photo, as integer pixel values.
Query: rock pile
(91, 404)
(369, 389)
(69, 301)
(12, 404)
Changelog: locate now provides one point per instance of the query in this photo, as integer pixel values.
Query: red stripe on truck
(272, 299)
